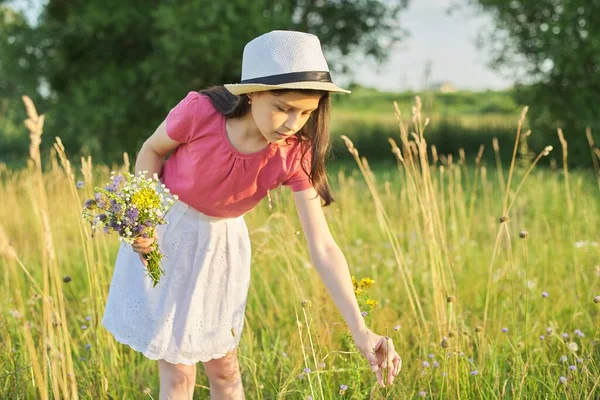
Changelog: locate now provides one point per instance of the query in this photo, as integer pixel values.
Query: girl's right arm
(151, 158)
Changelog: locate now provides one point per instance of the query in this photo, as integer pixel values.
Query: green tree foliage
(554, 48)
(113, 69)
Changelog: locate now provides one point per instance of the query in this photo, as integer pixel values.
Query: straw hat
(284, 60)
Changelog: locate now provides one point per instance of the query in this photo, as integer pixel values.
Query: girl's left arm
(333, 269)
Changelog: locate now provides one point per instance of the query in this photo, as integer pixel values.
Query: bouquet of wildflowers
(132, 206)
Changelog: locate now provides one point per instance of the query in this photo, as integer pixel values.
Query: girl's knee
(175, 375)
(223, 371)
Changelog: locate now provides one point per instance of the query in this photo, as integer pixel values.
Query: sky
(445, 41)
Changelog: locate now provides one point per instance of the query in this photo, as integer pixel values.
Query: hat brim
(242, 88)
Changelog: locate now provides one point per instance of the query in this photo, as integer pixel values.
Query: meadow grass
(486, 278)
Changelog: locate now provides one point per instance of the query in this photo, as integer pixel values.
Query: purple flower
(474, 372)
(572, 368)
(132, 213)
(436, 364)
(306, 370)
(425, 364)
(80, 184)
(364, 313)
(579, 360)
(471, 360)
(344, 387)
(544, 294)
(504, 330)
(549, 331)
(84, 327)
(565, 335)
(89, 204)
(99, 200)
(542, 337)
(88, 346)
(562, 359)
(562, 380)
(431, 355)
(579, 333)
(397, 327)
(423, 393)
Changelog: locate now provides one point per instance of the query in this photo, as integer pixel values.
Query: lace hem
(173, 359)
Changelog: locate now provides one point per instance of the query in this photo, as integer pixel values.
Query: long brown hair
(313, 136)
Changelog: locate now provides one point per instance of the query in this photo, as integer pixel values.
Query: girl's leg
(177, 381)
(225, 378)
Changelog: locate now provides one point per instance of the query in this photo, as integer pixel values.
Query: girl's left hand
(379, 351)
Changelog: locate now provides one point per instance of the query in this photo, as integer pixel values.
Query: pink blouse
(210, 175)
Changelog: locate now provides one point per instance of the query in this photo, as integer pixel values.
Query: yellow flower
(366, 283)
(357, 291)
(145, 199)
(371, 303)
(354, 282)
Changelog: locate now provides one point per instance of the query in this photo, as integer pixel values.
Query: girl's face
(280, 116)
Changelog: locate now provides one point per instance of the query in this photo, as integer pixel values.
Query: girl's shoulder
(194, 113)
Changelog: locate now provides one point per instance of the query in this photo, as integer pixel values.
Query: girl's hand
(143, 246)
(379, 351)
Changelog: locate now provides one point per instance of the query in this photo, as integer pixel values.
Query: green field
(488, 287)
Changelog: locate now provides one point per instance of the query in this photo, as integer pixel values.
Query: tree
(115, 68)
(554, 48)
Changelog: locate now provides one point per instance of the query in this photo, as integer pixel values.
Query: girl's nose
(292, 123)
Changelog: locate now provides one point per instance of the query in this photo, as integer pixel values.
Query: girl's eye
(281, 109)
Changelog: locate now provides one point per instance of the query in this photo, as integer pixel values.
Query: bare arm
(151, 158)
(153, 151)
(335, 274)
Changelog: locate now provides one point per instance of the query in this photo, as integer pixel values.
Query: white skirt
(196, 311)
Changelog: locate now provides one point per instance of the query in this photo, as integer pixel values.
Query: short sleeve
(298, 180)
(182, 120)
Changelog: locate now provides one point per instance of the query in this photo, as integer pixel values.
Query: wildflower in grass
(364, 313)
(451, 299)
(88, 318)
(579, 360)
(565, 335)
(505, 330)
(562, 380)
(372, 303)
(597, 299)
(343, 389)
(523, 234)
(301, 376)
(425, 364)
(88, 346)
(572, 368)
(544, 294)
(474, 372)
(306, 370)
(132, 206)
(573, 346)
(366, 283)
(80, 184)
(579, 333)
(542, 337)
(444, 343)
(549, 331)
(84, 327)
(397, 327)
(562, 359)
(431, 355)
(436, 364)
(423, 393)
(147, 391)
(471, 360)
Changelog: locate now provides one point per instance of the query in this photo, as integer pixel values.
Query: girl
(230, 146)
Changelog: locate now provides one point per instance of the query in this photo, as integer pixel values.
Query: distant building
(443, 87)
